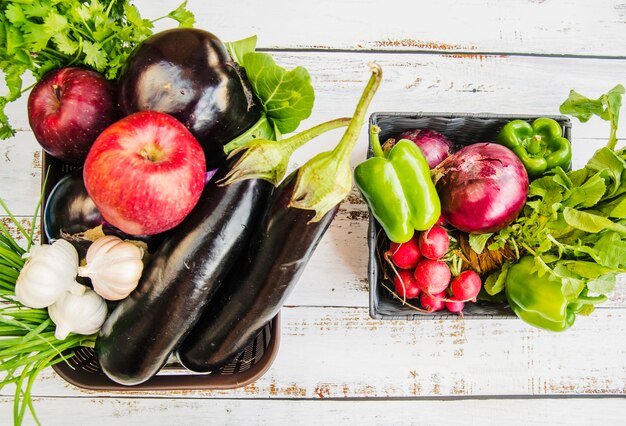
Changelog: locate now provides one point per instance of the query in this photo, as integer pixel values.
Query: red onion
(435, 146)
(482, 187)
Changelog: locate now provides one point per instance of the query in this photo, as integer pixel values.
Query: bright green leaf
(238, 49)
(590, 222)
(55, 23)
(610, 250)
(477, 242)
(604, 284)
(94, 56)
(15, 14)
(287, 96)
(183, 16)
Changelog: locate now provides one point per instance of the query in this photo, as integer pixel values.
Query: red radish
(405, 255)
(454, 305)
(433, 243)
(433, 302)
(405, 284)
(435, 146)
(466, 285)
(432, 276)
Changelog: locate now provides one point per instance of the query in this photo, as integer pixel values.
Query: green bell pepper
(398, 188)
(539, 301)
(540, 145)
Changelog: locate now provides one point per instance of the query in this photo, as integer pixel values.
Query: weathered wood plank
(159, 411)
(342, 353)
(554, 27)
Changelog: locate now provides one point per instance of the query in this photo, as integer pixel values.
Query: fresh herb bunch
(41, 35)
(574, 222)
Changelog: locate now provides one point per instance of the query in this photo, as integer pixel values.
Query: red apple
(145, 173)
(67, 110)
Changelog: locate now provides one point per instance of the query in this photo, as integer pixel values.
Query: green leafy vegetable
(606, 107)
(287, 97)
(574, 223)
(42, 35)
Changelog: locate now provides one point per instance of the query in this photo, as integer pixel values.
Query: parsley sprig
(37, 36)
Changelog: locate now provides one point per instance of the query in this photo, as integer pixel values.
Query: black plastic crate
(461, 129)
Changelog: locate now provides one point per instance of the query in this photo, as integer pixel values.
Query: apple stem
(56, 91)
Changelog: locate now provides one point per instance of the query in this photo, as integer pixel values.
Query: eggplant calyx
(326, 179)
(268, 159)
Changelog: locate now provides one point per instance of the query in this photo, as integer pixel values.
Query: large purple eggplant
(145, 328)
(256, 289)
(188, 73)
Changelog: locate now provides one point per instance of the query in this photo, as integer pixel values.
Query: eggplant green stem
(268, 159)
(326, 179)
(346, 145)
(294, 142)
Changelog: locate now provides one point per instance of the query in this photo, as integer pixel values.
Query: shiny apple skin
(67, 110)
(188, 73)
(145, 173)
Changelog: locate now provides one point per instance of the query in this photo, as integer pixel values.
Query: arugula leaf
(606, 107)
(590, 222)
(42, 35)
(610, 251)
(286, 96)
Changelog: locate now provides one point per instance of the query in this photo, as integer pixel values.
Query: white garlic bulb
(80, 314)
(49, 272)
(114, 267)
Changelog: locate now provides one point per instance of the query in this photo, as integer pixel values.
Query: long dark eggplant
(145, 328)
(256, 289)
(298, 215)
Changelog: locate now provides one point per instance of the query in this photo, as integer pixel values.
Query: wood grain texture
(335, 364)
(129, 411)
(532, 26)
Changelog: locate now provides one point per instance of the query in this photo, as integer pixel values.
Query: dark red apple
(145, 173)
(67, 110)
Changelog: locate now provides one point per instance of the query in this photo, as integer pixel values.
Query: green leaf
(619, 210)
(477, 242)
(183, 16)
(240, 48)
(36, 36)
(588, 194)
(606, 107)
(610, 250)
(55, 23)
(65, 44)
(287, 96)
(604, 284)
(15, 14)
(586, 269)
(494, 283)
(590, 222)
(610, 164)
(94, 55)
(586, 310)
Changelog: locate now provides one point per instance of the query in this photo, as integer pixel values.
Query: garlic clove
(50, 271)
(114, 267)
(79, 314)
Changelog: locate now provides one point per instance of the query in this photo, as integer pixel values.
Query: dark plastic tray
(83, 369)
(461, 129)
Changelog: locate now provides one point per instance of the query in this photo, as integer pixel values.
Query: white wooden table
(335, 364)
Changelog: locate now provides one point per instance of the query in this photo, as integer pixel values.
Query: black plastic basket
(83, 369)
(461, 129)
